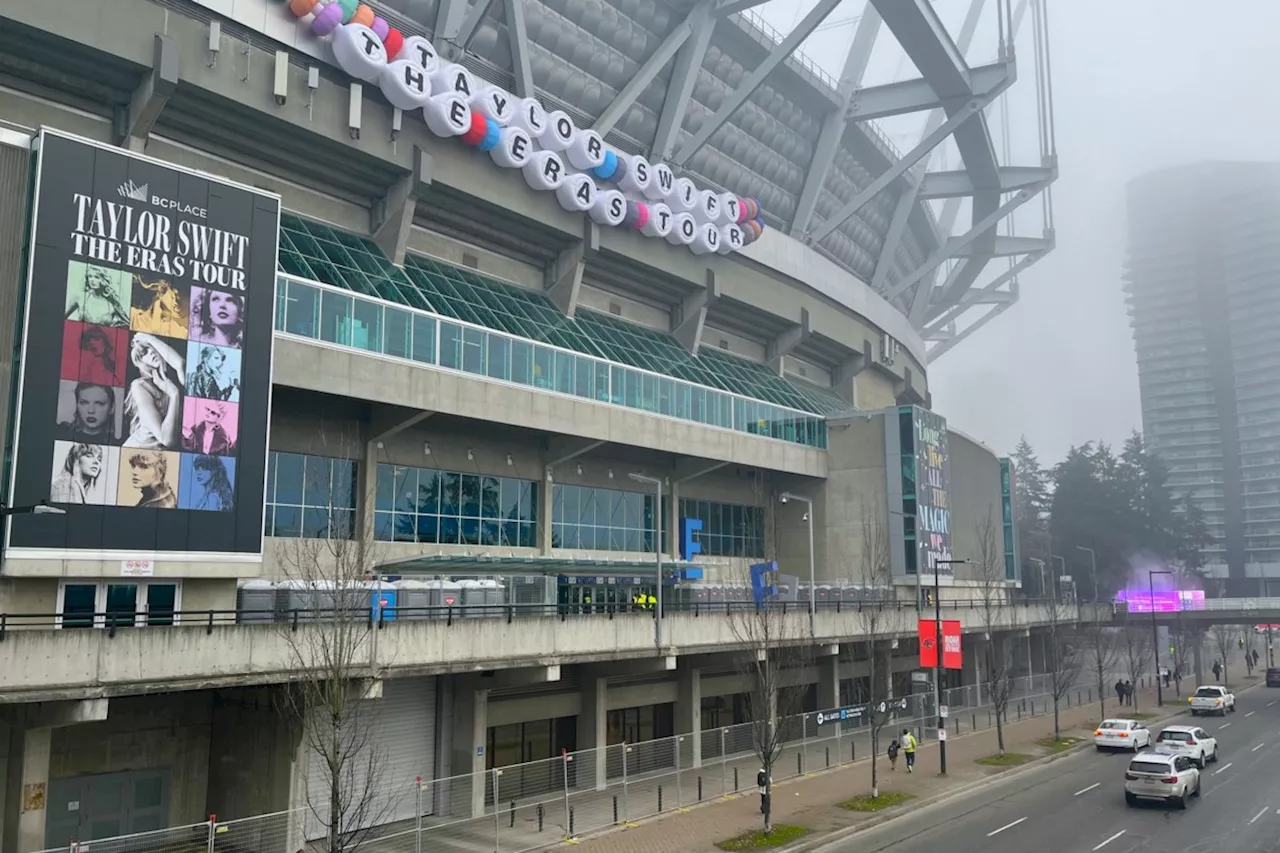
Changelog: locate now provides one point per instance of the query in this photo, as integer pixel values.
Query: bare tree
(1064, 656)
(1102, 657)
(333, 649)
(993, 585)
(1137, 655)
(1182, 640)
(1222, 645)
(875, 574)
(773, 641)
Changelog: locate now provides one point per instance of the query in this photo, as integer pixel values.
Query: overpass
(1210, 611)
(50, 664)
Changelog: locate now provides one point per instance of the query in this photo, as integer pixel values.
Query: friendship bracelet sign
(146, 360)
(615, 189)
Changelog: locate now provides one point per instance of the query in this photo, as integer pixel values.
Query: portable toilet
(296, 600)
(716, 596)
(824, 598)
(472, 594)
(413, 599)
(494, 596)
(255, 601)
(383, 600)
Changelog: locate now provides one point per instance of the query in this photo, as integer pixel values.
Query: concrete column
(977, 655)
(1197, 659)
(829, 682)
(593, 732)
(470, 734)
(671, 520)
(546, 502)
(367, 496)
(689, 716)
(27, 789)
(1031, 666)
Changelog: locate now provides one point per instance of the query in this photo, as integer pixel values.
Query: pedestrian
(1120, 691)
(1217, 671)
(1255, 657)
(1128, 693)
(909, 747)
(894, 746)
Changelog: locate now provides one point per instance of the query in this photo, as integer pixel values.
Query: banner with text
(933, 502)
(146, 361)
(927, 632)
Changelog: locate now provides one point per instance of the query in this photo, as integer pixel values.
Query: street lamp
(1155, 633)
(937, 668)
(1093, 569)
(657, 548)
(813, 590)
(1053, 596)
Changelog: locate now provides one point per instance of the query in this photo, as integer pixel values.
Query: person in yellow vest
(909, 745)
(650, 602)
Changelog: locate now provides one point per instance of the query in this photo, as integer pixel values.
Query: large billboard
(145, 373)
(933, 501)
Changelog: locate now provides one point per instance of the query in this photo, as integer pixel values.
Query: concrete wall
(251, 749)
(145, 732)
(974, 488)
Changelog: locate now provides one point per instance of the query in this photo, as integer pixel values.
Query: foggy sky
(1138, 85)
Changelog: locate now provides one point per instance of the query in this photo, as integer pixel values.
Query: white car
(1159, 775)
(1121, 734)
(1211, 699)
(1192, 742)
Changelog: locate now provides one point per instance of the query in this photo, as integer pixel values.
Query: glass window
(335, 318)
(311, 496)
(161, 603)
(122, 604)
(522, 362)
(79, 603)
(473, 350)
(451, 346)
(499, 357)
(424, 339)
(728, 530)
(366, 329)
(432, 506)
(399, 333)
(302, 310)
(601, 519)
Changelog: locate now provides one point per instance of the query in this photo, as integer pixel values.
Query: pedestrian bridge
(1209, 611)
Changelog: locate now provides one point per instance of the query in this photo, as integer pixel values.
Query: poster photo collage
(148, 403)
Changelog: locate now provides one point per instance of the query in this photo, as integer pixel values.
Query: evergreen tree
(1031, 511)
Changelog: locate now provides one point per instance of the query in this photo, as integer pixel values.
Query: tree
(1181, 642)
(773, 642)
(1031, 508)
(993, 611)
(1102, 656)
(334, 654)
(1222, 645)
(1064, 656)
(875, 573)
(1137, 655)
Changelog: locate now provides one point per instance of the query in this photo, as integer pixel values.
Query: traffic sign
(943, 710)
(942, 734)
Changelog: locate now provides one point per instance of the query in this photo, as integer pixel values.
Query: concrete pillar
(470, 735)
(26, 789)
(977, 656)
(1197, 660)
(671, 520)
(829, 682)
(367, 494)
(689, 716)
(593, 732)
(1031, 666)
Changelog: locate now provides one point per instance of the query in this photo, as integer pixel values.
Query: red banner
(952, 658)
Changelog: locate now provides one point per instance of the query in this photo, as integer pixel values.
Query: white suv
(1192, 742)
(1158, 775)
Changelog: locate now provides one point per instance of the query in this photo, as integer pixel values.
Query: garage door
(400, 745)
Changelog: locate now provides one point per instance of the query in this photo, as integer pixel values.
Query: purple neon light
(1163, 601)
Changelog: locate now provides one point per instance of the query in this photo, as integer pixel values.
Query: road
(1076, 804)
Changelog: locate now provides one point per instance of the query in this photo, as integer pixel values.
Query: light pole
(657, 549)
(1155, 632)
(1093, 569)
(813, 589)
(937, 669)
(1053, 595)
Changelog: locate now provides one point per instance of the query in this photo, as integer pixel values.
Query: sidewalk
(813, 800)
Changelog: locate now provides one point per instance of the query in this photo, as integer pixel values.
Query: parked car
(1212, 699)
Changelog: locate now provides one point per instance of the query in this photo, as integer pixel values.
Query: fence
(528, 806)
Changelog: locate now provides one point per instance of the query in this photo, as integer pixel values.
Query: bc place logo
(615, 189)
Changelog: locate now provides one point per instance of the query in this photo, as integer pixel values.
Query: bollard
(828, 755)
(853, 749)
(540, 813)
(973, 721)
(957, 725)
(571, 821)
(799, 764)
(699, 789)
(735, 779)
(513, 813)
(659, 798)
(615, 810)
(1019, 712)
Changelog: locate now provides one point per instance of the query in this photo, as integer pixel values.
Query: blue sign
(689, 545)
(763, 577)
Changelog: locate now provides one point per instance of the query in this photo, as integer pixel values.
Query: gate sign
(856, 712)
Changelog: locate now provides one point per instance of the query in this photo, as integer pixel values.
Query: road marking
(1109, 840)
(1272, 702)
(1258, 815)
(1086, 790)
(1006, 826)
(1258, 747)
(1224, 726)
(1223, 769)
(1250, 714)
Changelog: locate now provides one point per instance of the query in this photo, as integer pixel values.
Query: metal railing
(537, 804)
(116, 620)
(1245, 605)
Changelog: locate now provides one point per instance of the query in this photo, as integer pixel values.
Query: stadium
(546, 337)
